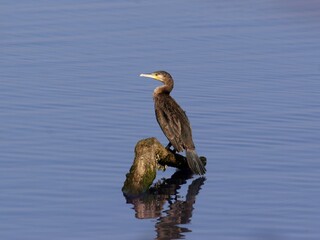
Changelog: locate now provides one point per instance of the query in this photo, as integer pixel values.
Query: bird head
(161, 76)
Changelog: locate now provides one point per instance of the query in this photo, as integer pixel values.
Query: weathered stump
(150, 156)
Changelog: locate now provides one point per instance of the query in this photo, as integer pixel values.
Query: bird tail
(194, 162)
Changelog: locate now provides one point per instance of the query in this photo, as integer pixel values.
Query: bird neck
(166, 89)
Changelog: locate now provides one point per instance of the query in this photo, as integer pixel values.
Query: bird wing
(173, 122)
(171, 127)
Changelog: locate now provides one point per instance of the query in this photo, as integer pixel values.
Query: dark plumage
(174, 121)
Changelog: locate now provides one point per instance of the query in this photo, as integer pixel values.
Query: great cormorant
(174, 121)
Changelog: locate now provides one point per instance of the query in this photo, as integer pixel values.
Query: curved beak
(149, 75)
(146, 75)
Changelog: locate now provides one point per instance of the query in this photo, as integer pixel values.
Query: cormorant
(173, 120)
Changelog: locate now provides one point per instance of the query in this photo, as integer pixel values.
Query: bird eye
(156, 74)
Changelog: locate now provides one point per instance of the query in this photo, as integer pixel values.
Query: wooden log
(150, 156)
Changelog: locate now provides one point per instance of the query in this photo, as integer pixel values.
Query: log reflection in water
(151, 205)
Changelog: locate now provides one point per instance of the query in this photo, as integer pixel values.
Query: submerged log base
(150, 156)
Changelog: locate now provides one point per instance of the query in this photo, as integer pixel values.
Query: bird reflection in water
(151, 205)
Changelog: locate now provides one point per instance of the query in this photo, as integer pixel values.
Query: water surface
(73, 108)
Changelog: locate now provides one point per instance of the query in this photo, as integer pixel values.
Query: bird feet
(168, 148)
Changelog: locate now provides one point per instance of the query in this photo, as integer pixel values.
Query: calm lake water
(73, 107)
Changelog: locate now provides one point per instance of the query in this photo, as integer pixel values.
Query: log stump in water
(150, 156)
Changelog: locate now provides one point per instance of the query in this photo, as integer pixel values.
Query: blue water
(73, 107)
